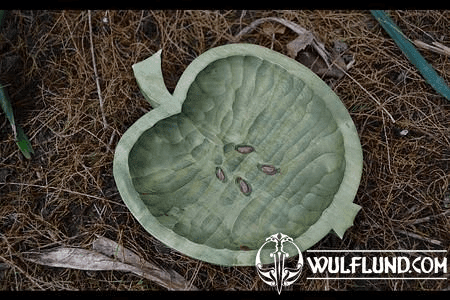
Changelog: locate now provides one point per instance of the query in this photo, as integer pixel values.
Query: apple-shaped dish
(249, 144)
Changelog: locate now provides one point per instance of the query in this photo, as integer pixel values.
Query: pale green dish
(251, 143)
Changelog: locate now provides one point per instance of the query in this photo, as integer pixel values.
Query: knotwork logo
(279, 274)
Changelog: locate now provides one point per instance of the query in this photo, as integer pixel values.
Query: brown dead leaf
(168, 277)
(300, 43)
(437, 48)
(76, 258)
(315, 43)
(111, 256)
(112, 249)
(320, 61)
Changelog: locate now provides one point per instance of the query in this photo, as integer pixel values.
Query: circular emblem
(279, 275)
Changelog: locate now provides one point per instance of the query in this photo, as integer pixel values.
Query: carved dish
(249, 144)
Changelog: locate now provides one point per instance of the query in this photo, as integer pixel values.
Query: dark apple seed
(244, 186)
(269, 170)
(220, 174)
(244, 149)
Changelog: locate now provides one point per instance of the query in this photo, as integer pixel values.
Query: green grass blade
(24, 143)
(21, 138)
(412, 54)
(6, 105)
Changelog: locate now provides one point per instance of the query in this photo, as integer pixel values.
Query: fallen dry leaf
(300, 43)
(122, 260)
(315, 43)
(329, 64)
(76, 258)
(169, 277)
(438, 47)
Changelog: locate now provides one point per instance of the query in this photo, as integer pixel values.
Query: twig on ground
(426, 219)
(367, 92)
(97, 82)
(317, 45)
(416, 236)
(60, 189)
(191, 286)
(12, 264)
(111, 139)
(438, 47)
(139, 23)
(387, 146)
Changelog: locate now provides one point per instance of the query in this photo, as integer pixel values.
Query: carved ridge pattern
(241, 100)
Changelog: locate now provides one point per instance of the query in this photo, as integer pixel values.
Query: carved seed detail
(220, 174)
(268, 169)
(244, 149)
(244, 185)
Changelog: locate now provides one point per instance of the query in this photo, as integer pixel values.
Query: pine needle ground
(66, 195)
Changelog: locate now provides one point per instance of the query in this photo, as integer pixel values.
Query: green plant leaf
(6, 105)
(251, 143)
(22, 140)
(24, 143)
(427, 71)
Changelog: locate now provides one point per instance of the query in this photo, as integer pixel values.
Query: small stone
(404, 132)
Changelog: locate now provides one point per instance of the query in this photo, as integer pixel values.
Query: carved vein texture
(191, 177)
